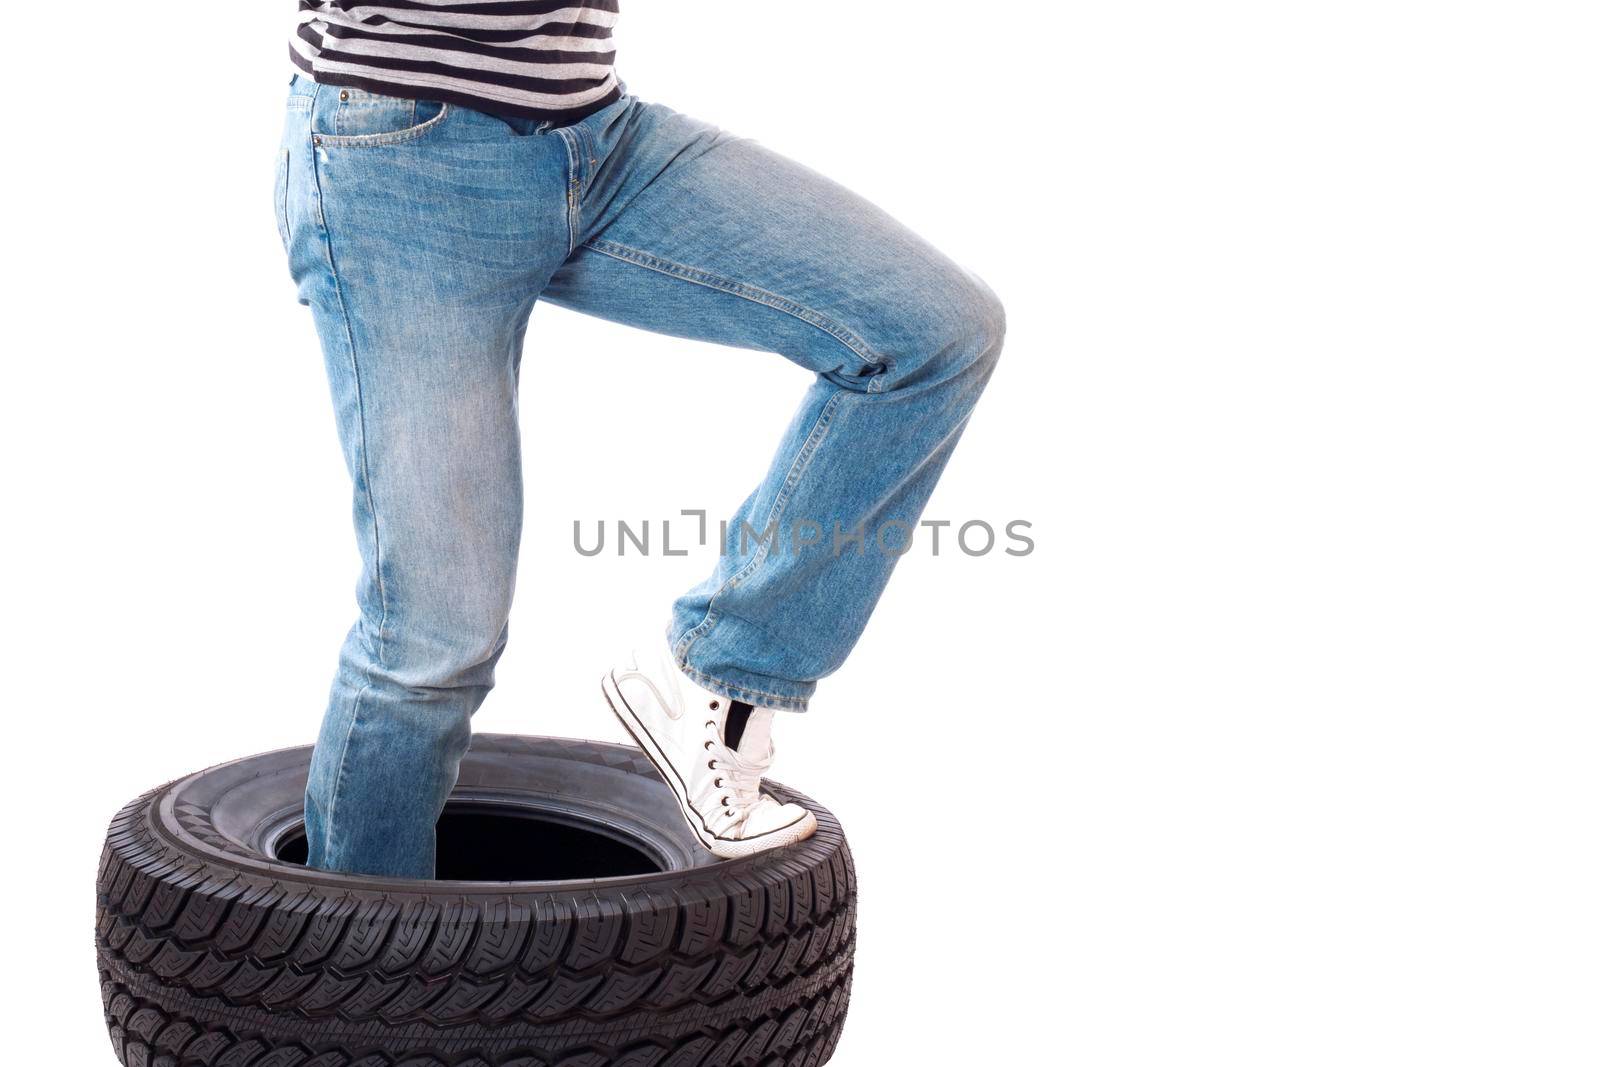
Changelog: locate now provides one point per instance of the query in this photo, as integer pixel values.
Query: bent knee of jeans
(987, 318)
(991, 313)
(959, 330)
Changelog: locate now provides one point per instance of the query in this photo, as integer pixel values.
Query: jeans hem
(758, 697)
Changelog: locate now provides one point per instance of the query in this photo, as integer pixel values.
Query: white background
(1280, 749)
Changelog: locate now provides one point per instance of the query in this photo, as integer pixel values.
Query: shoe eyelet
(717, 784)
(726, 802)
(711, 726)
(708, 746)
(712, 765)
(716, 705)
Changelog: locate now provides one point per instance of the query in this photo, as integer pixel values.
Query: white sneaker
(686, 731)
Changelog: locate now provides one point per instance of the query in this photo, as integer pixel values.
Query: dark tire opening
(478, 843)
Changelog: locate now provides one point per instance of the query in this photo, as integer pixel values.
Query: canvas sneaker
(710, 750)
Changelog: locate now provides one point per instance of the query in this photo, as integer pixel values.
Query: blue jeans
(421, 233)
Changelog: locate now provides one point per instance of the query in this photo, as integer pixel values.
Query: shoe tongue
(752, 738)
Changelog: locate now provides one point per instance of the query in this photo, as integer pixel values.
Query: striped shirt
(541, 59)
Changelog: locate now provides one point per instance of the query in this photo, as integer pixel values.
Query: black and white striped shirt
(542, 59)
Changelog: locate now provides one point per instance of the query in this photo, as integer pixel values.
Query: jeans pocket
(359, 118)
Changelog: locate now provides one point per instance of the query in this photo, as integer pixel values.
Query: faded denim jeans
(420, 234)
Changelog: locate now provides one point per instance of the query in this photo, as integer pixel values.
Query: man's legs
(420, 257)
(685, 229)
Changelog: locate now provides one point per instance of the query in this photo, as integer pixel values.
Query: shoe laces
(737, 784)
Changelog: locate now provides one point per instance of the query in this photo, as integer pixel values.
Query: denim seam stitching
(584, 175)
(753, 293)
(740, 692)
(282, 205)
(566, 135)
(797, 469)
(366, 476)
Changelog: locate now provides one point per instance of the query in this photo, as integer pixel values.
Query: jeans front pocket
(354, 117)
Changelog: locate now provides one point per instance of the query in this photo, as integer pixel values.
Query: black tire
(609, 937)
